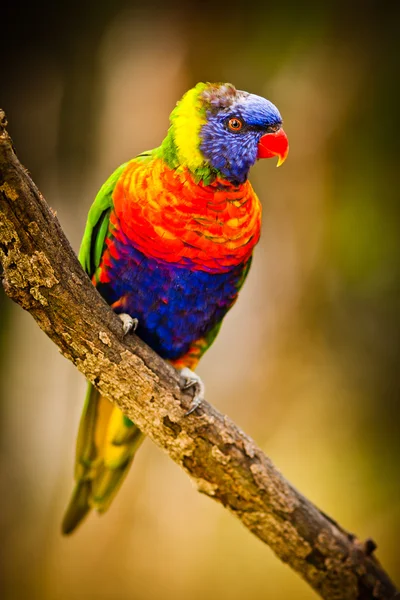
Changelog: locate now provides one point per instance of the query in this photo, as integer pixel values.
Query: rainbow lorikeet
(168, 243)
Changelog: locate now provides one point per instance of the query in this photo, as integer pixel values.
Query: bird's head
(218, 129)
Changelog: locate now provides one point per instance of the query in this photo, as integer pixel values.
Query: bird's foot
(128, 323)
(191, 379)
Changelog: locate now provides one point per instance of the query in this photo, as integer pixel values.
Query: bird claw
(191, 379)
(128, 323)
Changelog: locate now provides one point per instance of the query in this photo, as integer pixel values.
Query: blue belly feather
(175, 306)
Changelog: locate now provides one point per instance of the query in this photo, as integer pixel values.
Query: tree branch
(42, 274)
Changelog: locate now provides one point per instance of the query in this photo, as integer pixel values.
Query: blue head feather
(232, 153)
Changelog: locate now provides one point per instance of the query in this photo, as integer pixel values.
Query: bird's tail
(107, 442)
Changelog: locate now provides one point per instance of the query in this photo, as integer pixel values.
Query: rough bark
(42, 274)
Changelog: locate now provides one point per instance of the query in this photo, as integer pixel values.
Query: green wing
(245, 273)
(93, 240)
(107, 440)
(212, 334)
(97, 223)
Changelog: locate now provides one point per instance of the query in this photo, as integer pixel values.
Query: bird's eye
(235, 124)
(273, 128)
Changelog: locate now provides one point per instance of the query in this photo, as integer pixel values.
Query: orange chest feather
(166, 215)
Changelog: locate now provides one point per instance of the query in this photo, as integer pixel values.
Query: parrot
(168, 244)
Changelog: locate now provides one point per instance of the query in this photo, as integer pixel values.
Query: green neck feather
(181, 147)
(169, 152)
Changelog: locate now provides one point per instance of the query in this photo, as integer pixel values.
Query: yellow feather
(104, 412)
(188, 118)
(114, 449)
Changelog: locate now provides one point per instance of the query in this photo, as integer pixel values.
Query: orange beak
(274, 144)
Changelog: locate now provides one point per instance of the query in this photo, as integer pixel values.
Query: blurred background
(307, 362)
